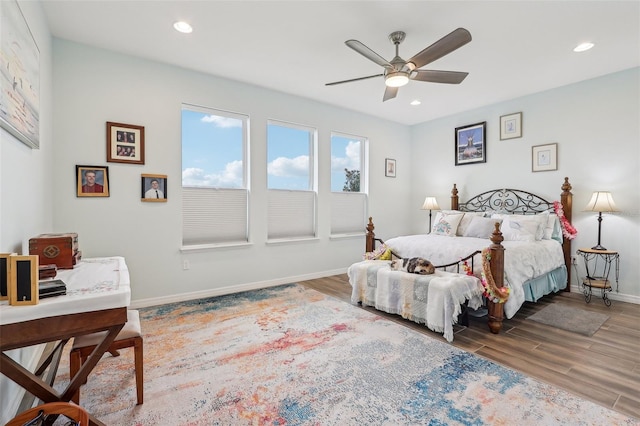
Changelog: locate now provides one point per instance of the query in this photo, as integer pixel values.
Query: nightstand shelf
(598, 265)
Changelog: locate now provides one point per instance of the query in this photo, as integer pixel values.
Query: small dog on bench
(414, 265)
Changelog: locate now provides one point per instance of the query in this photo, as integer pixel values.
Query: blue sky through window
(289, 165)
(211, 150)
(212, 154)
(345, 154)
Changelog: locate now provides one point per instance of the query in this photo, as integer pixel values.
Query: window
(291, 180)
(214, 176)
(348, 184)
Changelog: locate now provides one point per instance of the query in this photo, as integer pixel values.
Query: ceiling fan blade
(444, 46)
(368, 53)
(434, 76)
(353, 79)
(390, 93)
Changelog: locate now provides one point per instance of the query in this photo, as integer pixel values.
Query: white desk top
(92, 285)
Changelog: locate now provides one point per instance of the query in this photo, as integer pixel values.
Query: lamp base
(598, 247)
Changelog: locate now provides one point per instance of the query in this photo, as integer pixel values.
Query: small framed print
(390, 167)
(23, 285)
(470, 144)
(544, 157)
(125, 143)
(92, 181)
(511, 126)
(153, 188)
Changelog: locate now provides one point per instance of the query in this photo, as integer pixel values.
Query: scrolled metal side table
(598, 265)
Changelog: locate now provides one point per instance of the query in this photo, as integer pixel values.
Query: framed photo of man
(153, 188)
(125, 143)
(92, 181)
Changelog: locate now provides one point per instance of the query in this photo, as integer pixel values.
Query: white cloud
(230, 177)
(222, 122)
(350, 161)
(289, 167)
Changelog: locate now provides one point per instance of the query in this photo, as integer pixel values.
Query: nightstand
(598, 264)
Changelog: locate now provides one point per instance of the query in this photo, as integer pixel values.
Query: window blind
(348, 212)
(214, 215)
(291, 214)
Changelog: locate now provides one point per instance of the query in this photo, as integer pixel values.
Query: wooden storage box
(56, 249)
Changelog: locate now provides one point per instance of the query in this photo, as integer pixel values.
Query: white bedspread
(523, 260)
(433, 300)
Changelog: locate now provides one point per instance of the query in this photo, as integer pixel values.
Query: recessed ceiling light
(415, 102)
(583, 47)
(183, 27)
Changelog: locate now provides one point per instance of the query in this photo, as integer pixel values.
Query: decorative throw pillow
(446, 224)
(481, 227)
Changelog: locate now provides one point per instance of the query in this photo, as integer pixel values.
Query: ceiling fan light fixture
(396, 79)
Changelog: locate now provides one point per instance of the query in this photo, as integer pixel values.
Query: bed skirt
(434, 300)
(551, 282)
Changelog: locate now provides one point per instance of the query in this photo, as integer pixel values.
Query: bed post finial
(454, 198)
(496, 310)
(371, 242)
(566, 199)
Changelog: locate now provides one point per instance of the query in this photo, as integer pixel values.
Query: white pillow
(519, 227)
(481, 227)
(552, 230)
(465, 221)
(446, 224)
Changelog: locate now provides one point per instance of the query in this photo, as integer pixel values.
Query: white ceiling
(518, 47)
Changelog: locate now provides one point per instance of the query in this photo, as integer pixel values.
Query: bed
(522, 239)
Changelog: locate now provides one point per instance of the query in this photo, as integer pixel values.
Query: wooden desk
(98, 293)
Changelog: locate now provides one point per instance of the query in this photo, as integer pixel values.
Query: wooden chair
(129, 336)
(71, 411)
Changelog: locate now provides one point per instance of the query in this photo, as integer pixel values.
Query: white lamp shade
(601, 201)
(430, 203)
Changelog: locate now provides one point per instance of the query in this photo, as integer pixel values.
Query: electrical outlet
(185, 265)
(574, 260)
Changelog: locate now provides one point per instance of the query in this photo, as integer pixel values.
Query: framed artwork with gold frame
(92, 181)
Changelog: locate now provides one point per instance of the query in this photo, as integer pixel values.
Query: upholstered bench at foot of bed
(434, 300)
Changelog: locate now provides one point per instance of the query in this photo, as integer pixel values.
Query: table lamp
(601, 201)
(430, 203)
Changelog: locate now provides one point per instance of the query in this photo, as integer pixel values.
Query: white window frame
(349, 210)
(221, 216)
(285, 207)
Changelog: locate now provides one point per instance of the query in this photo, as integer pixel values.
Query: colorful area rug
(292, 356)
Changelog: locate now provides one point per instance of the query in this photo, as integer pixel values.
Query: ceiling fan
(398, 72)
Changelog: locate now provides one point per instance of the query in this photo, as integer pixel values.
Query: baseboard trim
(182, 297)
(611, 295)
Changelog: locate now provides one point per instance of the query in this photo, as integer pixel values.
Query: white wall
(596, 124)
(26, 189)
(93, 86)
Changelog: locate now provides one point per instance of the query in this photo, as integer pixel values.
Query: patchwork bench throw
(434, 300)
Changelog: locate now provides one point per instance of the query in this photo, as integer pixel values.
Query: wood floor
(604, 368)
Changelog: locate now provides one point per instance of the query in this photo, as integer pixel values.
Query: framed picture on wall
(92, 181)
(511, 126)
(125, 143)
(153, 188)
(20, 76)
(470, 144)
(544, 157)
(390, 167)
